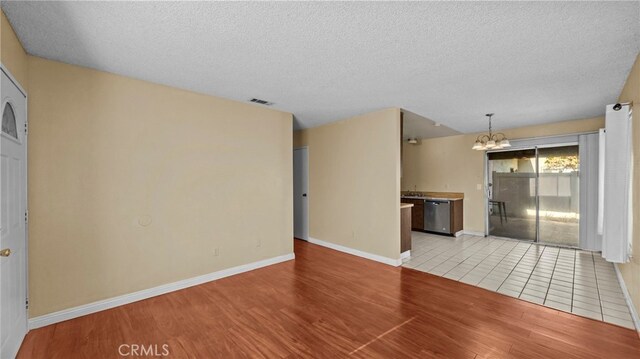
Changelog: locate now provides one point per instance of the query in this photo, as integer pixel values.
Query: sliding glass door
(559, 195)
(534, 194)
(512, 194)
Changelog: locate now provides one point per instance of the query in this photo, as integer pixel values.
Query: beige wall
(134, 185)
(12, 54)
(354, 182)
(448, 164)
(631, 271)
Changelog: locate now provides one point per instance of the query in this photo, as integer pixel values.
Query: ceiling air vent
(262, 102)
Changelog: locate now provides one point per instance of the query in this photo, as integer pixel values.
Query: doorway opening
(300, 193)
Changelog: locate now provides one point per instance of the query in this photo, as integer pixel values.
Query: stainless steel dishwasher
(437, 216)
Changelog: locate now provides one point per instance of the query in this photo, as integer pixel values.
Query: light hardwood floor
(326, 304)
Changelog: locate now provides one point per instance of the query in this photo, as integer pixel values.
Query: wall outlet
(216, 251)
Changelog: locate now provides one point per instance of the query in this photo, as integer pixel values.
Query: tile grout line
(595, 274)
(501, 259)
(448, 258)
(448, 247)
(546, 294)
(532, 269)
(442, 243)
(507, 255)
(485, 257)
(439, 246)
(489, 255)
(514, 267)
(458, 252)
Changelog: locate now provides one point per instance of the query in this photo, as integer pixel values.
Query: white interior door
(13, 204)
(300, 191)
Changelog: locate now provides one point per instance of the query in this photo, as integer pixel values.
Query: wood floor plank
(327, 304)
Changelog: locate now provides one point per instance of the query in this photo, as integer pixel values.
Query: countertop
(433, 198)
(406, 205)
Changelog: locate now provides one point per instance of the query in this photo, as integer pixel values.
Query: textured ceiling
(452, 62)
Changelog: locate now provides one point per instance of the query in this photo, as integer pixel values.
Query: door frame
(6, 71)
(486, 185)
(534, 147)
(306, 148)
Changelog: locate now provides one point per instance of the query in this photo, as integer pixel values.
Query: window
(9, 121)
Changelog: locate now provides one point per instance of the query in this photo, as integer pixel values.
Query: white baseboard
(472, 233)
(627, 297)
(405, 254)
(101, 305)
(356, 252)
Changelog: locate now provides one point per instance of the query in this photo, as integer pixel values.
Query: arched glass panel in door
(9, 121)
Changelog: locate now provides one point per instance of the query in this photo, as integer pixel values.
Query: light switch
(479, 187)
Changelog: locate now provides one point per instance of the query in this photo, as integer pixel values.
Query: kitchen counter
(439, 212)
(434, 198)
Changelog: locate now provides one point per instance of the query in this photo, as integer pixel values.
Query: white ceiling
(452, 62)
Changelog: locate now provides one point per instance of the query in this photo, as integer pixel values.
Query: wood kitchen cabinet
(405, 227)
(457, 218)
(443, 215)
(417, 213)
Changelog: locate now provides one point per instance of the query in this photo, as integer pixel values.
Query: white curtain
(602, 136)
(590, 236)
(617, 206)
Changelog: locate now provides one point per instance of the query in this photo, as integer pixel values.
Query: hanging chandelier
(492, 141)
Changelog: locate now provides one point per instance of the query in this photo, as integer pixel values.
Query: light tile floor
(574, 281)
